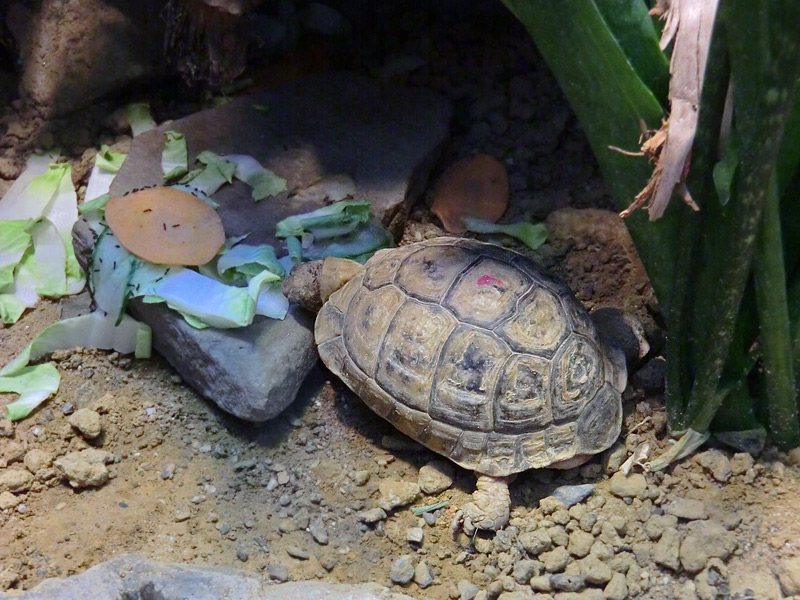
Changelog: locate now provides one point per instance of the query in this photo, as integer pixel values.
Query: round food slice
(166, 226)
(476, 186)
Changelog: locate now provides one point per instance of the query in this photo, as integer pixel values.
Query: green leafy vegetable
(138, 115)
(106, 166)
(34, 384)
(175, 156)
(532, 235)
(44, 200)
(242, 262)
(339, 214)
(264, 182)
(358, 245)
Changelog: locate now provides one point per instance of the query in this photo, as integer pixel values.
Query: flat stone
(688, 508)
(132, 576)
(386, 138)
(36, 460)
(395, 494)
(570, 495)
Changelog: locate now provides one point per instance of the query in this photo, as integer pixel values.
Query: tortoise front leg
(490, 506)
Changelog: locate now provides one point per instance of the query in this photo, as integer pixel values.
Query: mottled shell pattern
(477, 353)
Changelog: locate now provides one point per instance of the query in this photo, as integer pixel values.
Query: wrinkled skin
(489, 509)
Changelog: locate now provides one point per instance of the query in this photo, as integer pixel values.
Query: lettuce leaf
(339, 214)
(175, 156)
(138, 115)
(35, 384)
(264, 182)
(532, 235)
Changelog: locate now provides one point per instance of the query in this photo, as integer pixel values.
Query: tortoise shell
(477, 353)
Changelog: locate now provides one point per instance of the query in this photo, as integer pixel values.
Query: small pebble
(6, 428)
(628, 487)
(317, 529)
(67, 408)
(436, 476)
(402, 570)
(297, 552)
(87, 422)
(182, 515)
(373, 515)
(168, 471)
(414, 535)
(568, 583)
(466, 589)
(422, 575)
(687, 508)
(241, 554)
(278, 572)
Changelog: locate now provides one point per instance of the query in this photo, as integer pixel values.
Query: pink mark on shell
(488, 280)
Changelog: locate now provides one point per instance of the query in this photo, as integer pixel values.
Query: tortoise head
(311, 284)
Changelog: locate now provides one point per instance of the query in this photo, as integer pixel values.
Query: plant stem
(773, 316)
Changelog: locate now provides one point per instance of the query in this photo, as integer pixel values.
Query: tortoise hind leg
(489, 509)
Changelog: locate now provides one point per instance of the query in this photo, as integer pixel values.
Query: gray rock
(466, 589)
(567, 583)
(570, 495)
(402, 569)
(422, 575)
(132, 576)
(318, 531)
(525, 569)
(385, 138)
(535, 542)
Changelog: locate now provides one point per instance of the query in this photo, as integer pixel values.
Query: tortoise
(474, 351)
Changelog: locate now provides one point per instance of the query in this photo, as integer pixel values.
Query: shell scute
(410, 351)
(577, 375)
(487, 292)
(522, 402)
(538, 326)
(428, 273)
(367, 321)
(470, 363)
